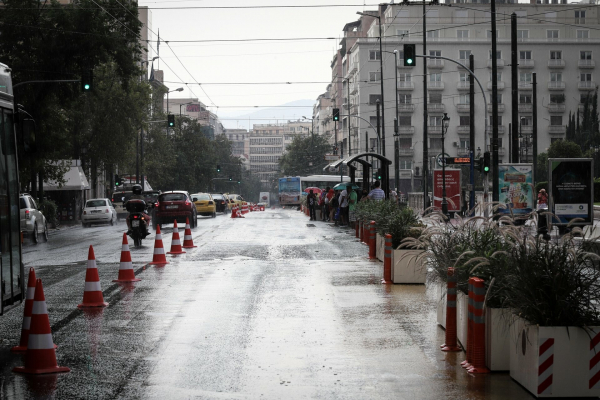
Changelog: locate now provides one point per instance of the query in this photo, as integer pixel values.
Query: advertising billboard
(516, 191)
(571, 190)
(452, 189)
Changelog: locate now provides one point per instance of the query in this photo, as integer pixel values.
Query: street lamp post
(445, 123)
(176, 90)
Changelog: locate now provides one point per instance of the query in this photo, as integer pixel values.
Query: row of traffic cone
(236, 213)
(159, 257)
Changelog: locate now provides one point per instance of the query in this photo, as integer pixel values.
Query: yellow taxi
(236, 200)
(205, 204)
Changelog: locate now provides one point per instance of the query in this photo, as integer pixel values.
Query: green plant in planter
(389, 218)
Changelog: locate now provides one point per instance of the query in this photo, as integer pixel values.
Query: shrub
(541, 185)
(48, 208)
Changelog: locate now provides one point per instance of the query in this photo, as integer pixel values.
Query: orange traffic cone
(22, 347)
(175, 242)
(126, 268)
(234, 212)
(92, 295)
(188, 242)
(159, 257)
(40, 357)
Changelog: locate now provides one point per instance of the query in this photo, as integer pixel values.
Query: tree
(305, 156)
(541, 169)
(564, 149)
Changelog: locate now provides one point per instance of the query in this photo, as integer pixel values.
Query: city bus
(291, 189)
(322, 181)
(12, 278)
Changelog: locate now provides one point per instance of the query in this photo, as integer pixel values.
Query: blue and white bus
(290, 191)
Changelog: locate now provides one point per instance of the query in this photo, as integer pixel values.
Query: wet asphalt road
(265, 307)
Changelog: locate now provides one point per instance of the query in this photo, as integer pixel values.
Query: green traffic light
(486, 169)
(409, 61)
(86, 86)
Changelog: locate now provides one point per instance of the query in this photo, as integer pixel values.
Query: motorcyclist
(137, 195)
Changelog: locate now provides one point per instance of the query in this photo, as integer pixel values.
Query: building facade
(195, 109)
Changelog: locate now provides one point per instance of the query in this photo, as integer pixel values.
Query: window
(404, 120)
(499, 120)
(581, 34)
(435, 120)
(464, 143)
(464, 99)
(522, 34)
(435, 143)
(556, 55)
(374, 55)
(464, 120)
(498, 76)
(403, 33)
(435, 77)
(462, 34)
(373, 120)
(404, 98)
(373, 98)
(405, 143)
(555, 77)
(463, 76)
(525, 77)
(404, 164)
(552, 34)
(433, 34)
(404, 77)
(585, 77)
(527, 120)
(374, 76)
(524, 98)
(498, 98)
(489, 34)
(580, 17)
(498, 55)
(525, 55)
(556, 120)
(464, 54)
(435, 53)
(435, 98)
(585, 55)
(557, 98)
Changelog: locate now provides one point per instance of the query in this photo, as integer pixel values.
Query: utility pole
(472, 132)
(495, 176)
(377, 107)
(534, 132)
(514, 82)
(381, 80)
(348, 103)
(426, 203)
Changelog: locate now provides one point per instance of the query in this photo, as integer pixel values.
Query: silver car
(33, 222)
(98, 211)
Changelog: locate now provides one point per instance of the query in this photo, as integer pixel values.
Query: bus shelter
(369, 162)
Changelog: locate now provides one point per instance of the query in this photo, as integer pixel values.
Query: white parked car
(33, 222)
(98, 211)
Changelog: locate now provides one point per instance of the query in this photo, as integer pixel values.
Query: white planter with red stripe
(462, 317)
(497, 338)
(441, 289)
(407, 267)
(555, 361)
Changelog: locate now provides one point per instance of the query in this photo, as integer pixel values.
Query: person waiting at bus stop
(311, 200)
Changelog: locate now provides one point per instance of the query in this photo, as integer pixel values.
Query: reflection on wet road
(264, 307)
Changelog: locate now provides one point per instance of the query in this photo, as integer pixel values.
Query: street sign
(441, 158)
(458, 160)
(331, 157)
(452, 189)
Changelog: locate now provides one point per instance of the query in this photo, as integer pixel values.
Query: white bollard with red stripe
(594, 382)
(545, 366)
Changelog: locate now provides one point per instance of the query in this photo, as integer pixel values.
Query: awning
(74, 180)
(334, 164)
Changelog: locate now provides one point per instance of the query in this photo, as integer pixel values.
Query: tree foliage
(564, 149)
(305, 156)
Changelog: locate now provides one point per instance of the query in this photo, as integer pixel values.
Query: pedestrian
(322, 204)
(344, 207)
(394, 195)
(376, 194)
(542, 199)
(363, 195)
(352, 200)
(334, 205)
(311, 200)
(328, 202)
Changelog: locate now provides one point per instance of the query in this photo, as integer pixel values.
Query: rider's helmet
(136, 189)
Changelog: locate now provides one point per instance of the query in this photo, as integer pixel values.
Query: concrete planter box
(442, 301)
(462, 317)
(497, 338)
(379, 246)
(406, 268)
(554, 361)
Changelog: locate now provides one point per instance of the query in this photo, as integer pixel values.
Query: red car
(174, 205)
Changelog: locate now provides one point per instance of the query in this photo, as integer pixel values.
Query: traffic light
(409, 55)
(486, 162)
(336, 114)
(218, 168)
(118, 181)
(87, 81)
(230, 179)
(171, 120)
(377, 174)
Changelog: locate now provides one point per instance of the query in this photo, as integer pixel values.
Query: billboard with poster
(571, 186)
(516, 189)
(452, 189)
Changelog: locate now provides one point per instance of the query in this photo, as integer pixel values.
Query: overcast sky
(250, 61)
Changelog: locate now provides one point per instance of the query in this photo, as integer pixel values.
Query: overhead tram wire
(232, 7)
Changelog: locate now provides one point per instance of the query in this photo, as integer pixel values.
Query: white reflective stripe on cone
(26, 322)
(91, 264)
(187, 226)
(158, 236)
(39, 307)
(175, 230)
(159, 250)
(175, 242)
(125, 248)
(40, 341)
(30, 293)
(92, 287)
(126, 265)
(187, 237)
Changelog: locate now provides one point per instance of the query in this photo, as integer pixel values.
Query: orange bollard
(451, 343)
(363, 237)
(478, 353)
(387, 259)
(371, 242)
(356, 224)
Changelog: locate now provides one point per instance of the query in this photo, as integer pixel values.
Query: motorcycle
(137, 220)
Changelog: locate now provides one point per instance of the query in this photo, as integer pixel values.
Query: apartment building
(240, 144)
(195, 109)
(558, 42)
(268, 142)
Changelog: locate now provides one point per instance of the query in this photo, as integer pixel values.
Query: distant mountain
(294, 110)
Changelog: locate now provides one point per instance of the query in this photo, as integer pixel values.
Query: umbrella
(315, 190)
(343, 185)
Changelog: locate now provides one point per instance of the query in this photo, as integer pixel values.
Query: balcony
(463, 129)
(463, 152)
(526, 129)
(557, 129)
(499, 63)
(353, 68)
(406, 151)
(463, 61)
(500, 130)
(435, 85)
(434, 129)
(560, 85)
(436, 108)
(500, 85)
(556, 108)
(501, 151)
(587, 85)
(500, 107)
(406, 85)
(463, 86)
(406, 130)
(435, 64)
(525, 108)
(584, 64)
(436, 148)
(463, 108)
(524, 85)
(526, 64)
(556, 63)
(406, 108)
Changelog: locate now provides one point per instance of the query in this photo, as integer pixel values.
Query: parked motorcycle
(138, 220)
